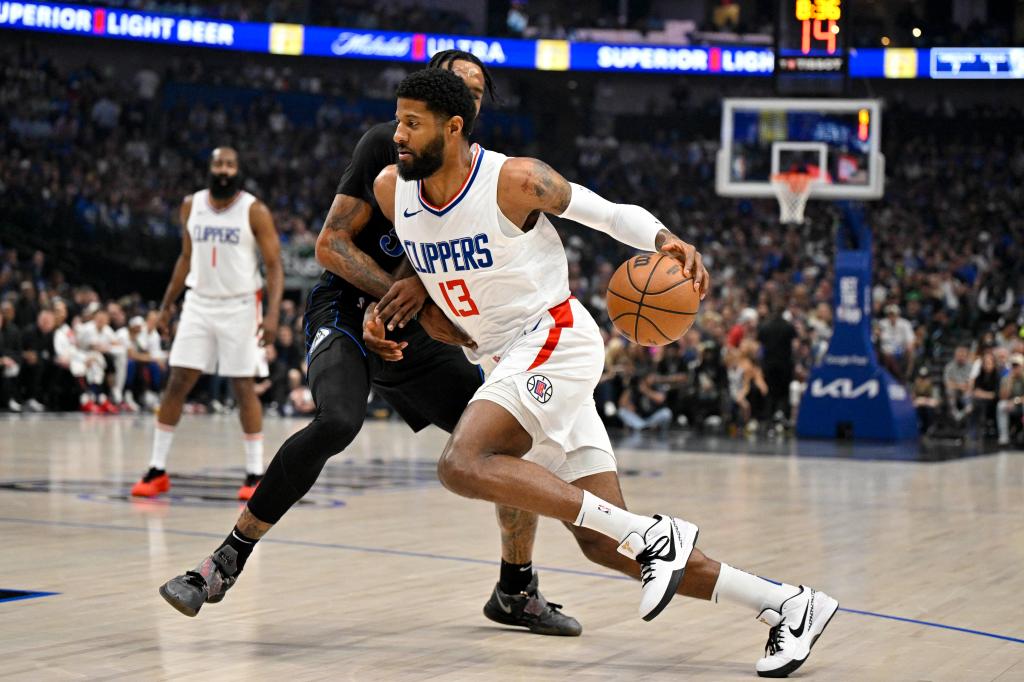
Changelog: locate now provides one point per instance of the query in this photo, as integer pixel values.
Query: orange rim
(797, 181)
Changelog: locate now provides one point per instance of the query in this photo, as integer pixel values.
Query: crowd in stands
(103, 156)
(110, 159)
(63, 347)
(87, 157)
(948, 240)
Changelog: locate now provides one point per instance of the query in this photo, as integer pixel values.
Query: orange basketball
(649, 300)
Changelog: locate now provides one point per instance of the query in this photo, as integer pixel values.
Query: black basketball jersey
(334, 300)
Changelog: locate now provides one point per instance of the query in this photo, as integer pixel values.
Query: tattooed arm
(336, 250)
(528, 187)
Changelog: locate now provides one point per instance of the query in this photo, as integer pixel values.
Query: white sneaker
(35, 406)
(795, 629)
(14, 406)
(129, 404)
(662, 552)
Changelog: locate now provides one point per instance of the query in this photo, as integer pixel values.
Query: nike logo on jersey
(799, 631)
(454, 255)
(409, 215)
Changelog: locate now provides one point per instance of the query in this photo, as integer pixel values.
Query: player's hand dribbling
(689, 256)
(442, 329)
(373, 337)
(402, 302)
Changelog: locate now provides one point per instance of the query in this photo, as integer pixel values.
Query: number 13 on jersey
(459, 295)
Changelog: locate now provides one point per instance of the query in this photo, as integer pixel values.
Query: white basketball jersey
(225, 257)
(487, 275)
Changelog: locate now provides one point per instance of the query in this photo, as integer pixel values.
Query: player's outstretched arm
(336, 250)
(527, 185)
(181, 267)
(269, 243)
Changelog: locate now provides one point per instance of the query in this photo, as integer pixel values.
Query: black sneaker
(531, 610)
(209, 582)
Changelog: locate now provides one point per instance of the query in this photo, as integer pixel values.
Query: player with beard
(224, 232)
(360, 253)
(474, 225)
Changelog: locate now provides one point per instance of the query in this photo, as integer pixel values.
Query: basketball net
(792, 189)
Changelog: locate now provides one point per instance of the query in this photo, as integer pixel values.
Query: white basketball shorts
(220, 335)
(546, 381)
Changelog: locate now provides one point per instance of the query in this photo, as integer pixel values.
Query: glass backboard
(837, 141)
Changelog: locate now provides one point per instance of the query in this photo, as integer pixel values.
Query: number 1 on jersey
(462, 296)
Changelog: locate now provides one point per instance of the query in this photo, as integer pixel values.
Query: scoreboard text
(811, 41)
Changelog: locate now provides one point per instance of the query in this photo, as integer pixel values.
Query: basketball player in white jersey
(224, 232)
(473, 225)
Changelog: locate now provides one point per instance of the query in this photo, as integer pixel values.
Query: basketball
(650, 301)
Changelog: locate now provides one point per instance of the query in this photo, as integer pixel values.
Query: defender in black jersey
(361, 255)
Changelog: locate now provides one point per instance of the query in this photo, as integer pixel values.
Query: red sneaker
(152, 484)
(252, 481)
(107, 407)
(90, 407)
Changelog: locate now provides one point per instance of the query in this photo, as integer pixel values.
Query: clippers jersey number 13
(456, 295)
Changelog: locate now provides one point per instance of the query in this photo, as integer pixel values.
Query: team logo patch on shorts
(539, 387)
(321, 334)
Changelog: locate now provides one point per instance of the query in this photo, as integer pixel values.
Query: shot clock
(810, 47)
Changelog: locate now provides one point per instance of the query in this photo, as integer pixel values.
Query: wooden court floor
(381, 574)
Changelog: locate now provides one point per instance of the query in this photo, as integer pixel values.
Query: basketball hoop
(792, 189)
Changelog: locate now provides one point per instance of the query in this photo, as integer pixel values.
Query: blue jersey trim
(461, 195)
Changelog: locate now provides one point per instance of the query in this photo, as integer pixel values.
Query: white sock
(253, 453)
(607, 519)
(163, 436)
(737, 587)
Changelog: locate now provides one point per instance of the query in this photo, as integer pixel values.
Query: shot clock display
(810, 46)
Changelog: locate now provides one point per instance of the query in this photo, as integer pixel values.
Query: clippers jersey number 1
(460, 293)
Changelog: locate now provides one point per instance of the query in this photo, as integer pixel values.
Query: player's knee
(337, 429)
(243, 387)
(178, 385)
(458, 469)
